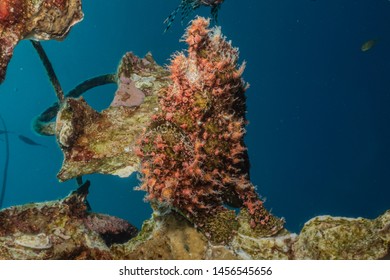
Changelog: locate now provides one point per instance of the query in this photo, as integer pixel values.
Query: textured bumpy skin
(193, 155)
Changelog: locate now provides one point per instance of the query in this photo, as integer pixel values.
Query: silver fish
(188, 6)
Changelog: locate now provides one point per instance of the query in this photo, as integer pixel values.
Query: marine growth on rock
(36, 20)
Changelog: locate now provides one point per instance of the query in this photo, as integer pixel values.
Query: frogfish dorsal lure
(187, 6)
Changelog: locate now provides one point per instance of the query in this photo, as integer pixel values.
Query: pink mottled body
(194, 158)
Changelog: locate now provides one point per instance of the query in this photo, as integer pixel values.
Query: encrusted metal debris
(105, 142)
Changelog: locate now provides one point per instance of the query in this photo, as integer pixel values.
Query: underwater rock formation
(326, 237)
(63, 229)
(193, 154)
(60, 230)
(105, 142)
(36, 20)
(169, 236)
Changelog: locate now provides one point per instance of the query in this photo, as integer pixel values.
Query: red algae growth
(193, 156)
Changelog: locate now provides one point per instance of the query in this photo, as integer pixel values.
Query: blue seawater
(319, 107)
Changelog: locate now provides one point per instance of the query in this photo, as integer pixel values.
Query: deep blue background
(318, 107)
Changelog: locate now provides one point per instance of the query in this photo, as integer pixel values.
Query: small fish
(188, 6)
(29, 141)
(368, 45)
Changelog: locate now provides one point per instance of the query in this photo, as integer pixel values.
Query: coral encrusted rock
(327, 237)
(62, 229)
(168, 235)
(36, 20)
(105, 142)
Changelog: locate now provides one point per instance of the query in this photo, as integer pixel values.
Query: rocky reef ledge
(65, 229)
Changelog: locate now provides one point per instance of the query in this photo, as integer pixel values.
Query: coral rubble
(193, 154)
(34, 19)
